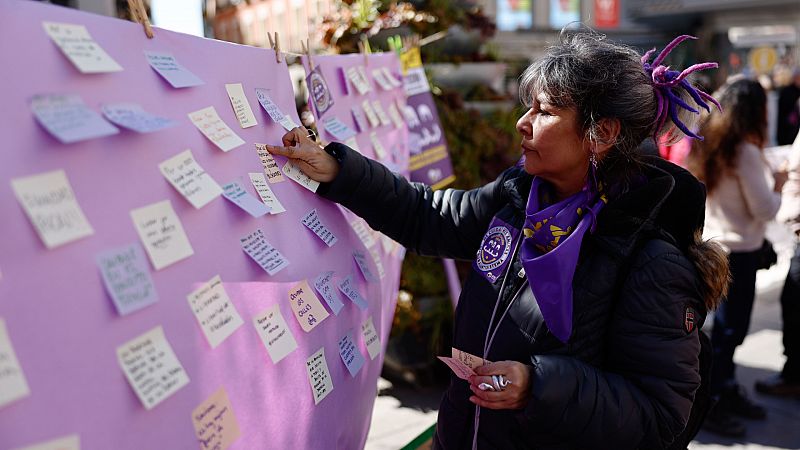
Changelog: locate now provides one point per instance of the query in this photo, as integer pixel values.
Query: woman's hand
(514, 396)
(308, 155)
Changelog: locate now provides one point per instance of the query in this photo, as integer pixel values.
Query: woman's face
(553, 145)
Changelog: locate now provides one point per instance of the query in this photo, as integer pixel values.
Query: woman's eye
(544, 113)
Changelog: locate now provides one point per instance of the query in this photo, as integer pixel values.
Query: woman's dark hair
(601, 79)
(743, 118)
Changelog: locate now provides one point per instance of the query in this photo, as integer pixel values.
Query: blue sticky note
(68, 119)
(133, 117)
(348, 288)
(170, 69)
(363, 266)
(324, 285)
(127, 278)
(236, 193)
(351, 355)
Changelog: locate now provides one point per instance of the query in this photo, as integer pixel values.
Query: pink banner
(65, 328)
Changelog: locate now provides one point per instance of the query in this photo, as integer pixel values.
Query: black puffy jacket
(627, 376)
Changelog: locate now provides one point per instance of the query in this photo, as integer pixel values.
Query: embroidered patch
(689, 319)
(493, 254)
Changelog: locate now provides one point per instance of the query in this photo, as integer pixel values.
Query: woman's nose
(524, 124)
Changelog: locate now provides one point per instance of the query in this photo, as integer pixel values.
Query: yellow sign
(410, 59)
(763, 59)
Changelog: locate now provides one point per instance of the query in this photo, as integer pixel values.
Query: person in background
(787, 382)
(589, 281)
(789, 109)
(742, 197)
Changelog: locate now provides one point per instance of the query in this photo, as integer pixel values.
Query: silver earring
(593, 159)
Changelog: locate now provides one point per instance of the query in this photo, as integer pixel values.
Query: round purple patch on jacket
(493, 254)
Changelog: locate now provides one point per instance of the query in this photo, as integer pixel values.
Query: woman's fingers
(293, 136)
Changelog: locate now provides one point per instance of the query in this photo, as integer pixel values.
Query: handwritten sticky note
(78, 46)
(377, 146)
(374, 121)
(265, 192)
(348, 288)
(218, 132)
(151, 367)
(71, 442)
(388, 244)
(271, 169)
(306, 306)
(127, 278)
(359, 82)
(359, 118)
(264, 254)
(52, 208)
(391, 78)
(378, 108)
(376, 258)
(185, 174)
(324, 285)
(13, 385)
(274, 111)
(68, 119)
(214, 422)
(351, 355)
(314, 223)
(352, 143)
(467, 359)
(214, 311)
(371, 338)
(363, 266)
(338, 129)
(171, 70)
(241, 107)
(363, 232)
(275, 334)
(236, 193)
(297, 175)
(162, 234)
(397, 119)
(133, 117)
(319, 377)
(380, 77)
(461, 370)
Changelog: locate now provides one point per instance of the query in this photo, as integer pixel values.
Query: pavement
(402, 413)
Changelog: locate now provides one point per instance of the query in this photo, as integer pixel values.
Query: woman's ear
(607, 133)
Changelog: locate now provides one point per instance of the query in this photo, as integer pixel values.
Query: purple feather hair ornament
(665, 80)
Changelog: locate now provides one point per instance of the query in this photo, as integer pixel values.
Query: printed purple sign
(319, 92)
(495, 250)
(430, 161)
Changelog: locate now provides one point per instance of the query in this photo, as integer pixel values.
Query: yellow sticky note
(214, 422)
(306, 306)
(241, 107)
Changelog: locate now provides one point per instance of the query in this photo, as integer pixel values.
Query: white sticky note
(354, 75)
(214, 311)
(371, 338)
(377, 146)
(237, 195)
(378, 108)
(271, 169)
(324, 285)
(218, 132)
(391, 78)
(360, 120)
(319, 377)
(127, 279)
(380, 77)
(274, 111)
(264, 254)
(363, 71)
(467, 359)
(363, 266)
(52, 208)
(348, 288)
(151, 367)
(297, 175)
(70, 442)
(373, 119)
(171, 70)
(338, 129)
(241, 107)
(352, 143)
(351, 355)
(275, 334)
(394, 113)
(363, 232)
(265, 192)
(306, 306)
(214, 422)
(13, 385)
(68, 119)
(388, 244)
(314, 223)
(162, 234)
(185, 174)
(376, 258)
(79, 47)
(133, 117)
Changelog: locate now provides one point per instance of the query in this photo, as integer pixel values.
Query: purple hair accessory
(664, 80)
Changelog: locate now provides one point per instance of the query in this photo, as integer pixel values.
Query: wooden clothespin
(276, 45)
(364, 48)
(307, 51)
(139, 14)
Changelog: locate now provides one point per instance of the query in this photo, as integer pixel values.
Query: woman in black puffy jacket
(586, 298)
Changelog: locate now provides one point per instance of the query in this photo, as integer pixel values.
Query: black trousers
(790, 313)
(732, 319)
